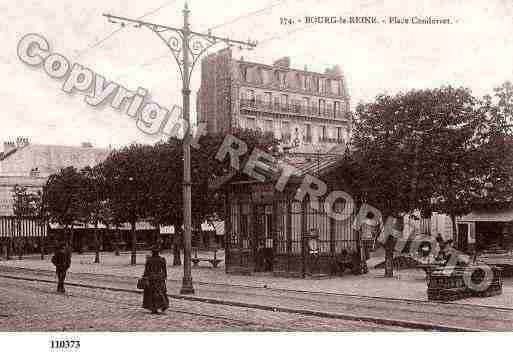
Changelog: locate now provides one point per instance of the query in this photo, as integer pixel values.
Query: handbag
(143, 283)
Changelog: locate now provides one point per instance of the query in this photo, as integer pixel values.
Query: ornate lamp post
(186, 46)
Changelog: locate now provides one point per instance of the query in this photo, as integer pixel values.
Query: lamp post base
(187, 287)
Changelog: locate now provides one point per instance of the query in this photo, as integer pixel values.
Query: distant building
(300, 107)
(30, 165)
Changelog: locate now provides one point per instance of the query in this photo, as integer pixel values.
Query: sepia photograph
(195, 171)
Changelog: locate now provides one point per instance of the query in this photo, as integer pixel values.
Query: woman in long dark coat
(155, 294)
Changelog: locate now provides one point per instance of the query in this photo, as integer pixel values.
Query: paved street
(387, 302)
(34, 306)
(406, 284)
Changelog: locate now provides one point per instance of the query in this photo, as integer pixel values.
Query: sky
(474, 51)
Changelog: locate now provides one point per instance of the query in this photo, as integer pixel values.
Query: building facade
(298, 106)
(30, 165)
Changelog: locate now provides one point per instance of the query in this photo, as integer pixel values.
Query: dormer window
(244, 73)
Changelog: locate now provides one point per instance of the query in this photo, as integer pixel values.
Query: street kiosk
(269, 230)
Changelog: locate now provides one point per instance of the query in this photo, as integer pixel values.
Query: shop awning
(505, 215)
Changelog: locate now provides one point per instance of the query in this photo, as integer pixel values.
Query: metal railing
(299, 109)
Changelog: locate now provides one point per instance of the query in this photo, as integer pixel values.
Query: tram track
(276, 308)
(131, 305)
(373, 299)
(128, 279)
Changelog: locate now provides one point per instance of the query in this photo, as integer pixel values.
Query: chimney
(9, 146)
(283, 62)
(335, 70)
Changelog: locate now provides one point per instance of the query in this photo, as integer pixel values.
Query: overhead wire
(111, 34)
(230, 22)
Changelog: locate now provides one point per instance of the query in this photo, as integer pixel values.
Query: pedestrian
(155, 293)
(62, 261)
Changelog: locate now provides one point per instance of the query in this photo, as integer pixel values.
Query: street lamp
(187, 47)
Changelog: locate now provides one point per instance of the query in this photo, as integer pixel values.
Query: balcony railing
(331, 140)
(291, 108)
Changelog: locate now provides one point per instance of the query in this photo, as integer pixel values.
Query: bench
(429, 268)
(214, 261)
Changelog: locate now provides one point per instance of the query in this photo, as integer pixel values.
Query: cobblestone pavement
(34, 306)
(453, 315)
(407, 284)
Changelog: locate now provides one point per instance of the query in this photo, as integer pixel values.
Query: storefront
(268, 230)
(486, 230)
(25, 235)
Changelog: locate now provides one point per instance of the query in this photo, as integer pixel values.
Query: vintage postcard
(266, 166)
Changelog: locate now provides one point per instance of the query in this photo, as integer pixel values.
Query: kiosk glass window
(235, 219)
(281, 227)
(296, 227)
(245, 226)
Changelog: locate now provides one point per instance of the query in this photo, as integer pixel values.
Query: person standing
(155, 293)
(62, 261)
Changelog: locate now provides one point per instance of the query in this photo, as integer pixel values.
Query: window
(285, 131)
(322, 107)
(281, 228)
(296, 106)
(235, 232)
(306, 105)
(276, 103)
(268, 126)
(335, 89)
(298, 83)
(329, 109)
(251, 95)
(323, 131)
(337, 109)
(244, 72)
(260, 125)
(267, 97)
(308, 133)
(245, 227)
(284, 101)
(296, 227)
(340, 133)
(251, 123)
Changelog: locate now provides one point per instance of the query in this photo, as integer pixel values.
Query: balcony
(331, 140)
(293, 109)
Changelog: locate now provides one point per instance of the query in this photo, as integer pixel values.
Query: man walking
(62, 261)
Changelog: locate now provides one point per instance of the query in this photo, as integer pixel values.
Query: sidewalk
(407, 284)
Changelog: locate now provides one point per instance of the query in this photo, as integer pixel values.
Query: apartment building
(300, 107)
(30, 165)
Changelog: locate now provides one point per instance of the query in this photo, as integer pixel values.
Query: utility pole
(185, 45)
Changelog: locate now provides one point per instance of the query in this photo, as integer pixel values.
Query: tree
(413, 148)
(494, 151)
(93, 202)
(129, 174)
(62, 199)
(26, 204)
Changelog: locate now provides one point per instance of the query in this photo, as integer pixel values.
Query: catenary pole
(186, 47)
